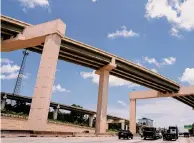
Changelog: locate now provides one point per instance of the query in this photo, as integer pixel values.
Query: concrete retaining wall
(14, 122)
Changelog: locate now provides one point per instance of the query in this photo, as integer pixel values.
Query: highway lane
(91, 140)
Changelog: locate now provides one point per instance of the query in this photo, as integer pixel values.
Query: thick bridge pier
(133, 115)
(44, 83)
(3, 102)
(101, 116)
(55, 112)
(91, 119)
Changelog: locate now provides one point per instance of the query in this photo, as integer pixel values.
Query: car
(186, 134)
(125, 134)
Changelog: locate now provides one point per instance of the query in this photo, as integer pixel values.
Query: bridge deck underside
(85, 55)
(188, 99)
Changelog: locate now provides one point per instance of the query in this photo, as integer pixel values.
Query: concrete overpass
(48, 39)
(57, 106)
(185, 95)
(88, 56)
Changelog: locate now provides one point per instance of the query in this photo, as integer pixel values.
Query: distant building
(146, 122)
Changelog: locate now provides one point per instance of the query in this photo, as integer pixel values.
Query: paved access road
(90, 140)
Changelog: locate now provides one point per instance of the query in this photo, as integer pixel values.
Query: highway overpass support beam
(55, 112)
(43, 89)
(101, 116)
(152, 94)
(49, 33)
(122, 125)
(3, 102)
(91, 119)
(133, 115)
(126, 127)
(112, 121)
(46, 74)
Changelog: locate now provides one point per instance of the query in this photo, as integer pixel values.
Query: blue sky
(156, 35)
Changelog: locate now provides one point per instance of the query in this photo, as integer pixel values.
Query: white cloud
(177, 12)
(166, 110)
(58, 88)
(5, 61)
(160, 110)
(165, 61)
(13, 75)
(175, 32)
(9, 68)
(122, 103)
(113, 81)
(34, 3)
(188, 76)
(154, 70)
(123, 33)
(169, 61)
(151, 61)
(9, 71)
(94, 1)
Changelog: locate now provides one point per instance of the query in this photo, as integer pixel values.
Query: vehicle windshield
(172, 128)
(125, 131)
(148, 129)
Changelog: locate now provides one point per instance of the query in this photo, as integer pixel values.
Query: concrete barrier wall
(12, 123)
(20, 123)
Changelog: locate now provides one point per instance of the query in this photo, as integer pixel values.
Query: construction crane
(17, 87)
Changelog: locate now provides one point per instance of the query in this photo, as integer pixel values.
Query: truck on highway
(150, 132)
(171, 133)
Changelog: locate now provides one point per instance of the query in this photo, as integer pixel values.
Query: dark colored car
(125, 134)
(186, 134)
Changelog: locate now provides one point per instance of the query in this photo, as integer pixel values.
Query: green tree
(76, 116)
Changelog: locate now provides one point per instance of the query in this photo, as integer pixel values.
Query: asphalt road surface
(91, 140)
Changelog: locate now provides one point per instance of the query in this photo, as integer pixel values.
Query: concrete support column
(122, 125)
(126, 127)
(55, 112)
(133, 115)
(101, 116)
(91, 119)
(44, 83)
(3, 102)
(107, 126)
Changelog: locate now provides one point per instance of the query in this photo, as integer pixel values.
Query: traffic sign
(187, 127)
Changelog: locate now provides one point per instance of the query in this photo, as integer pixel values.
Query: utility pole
(17, 87)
